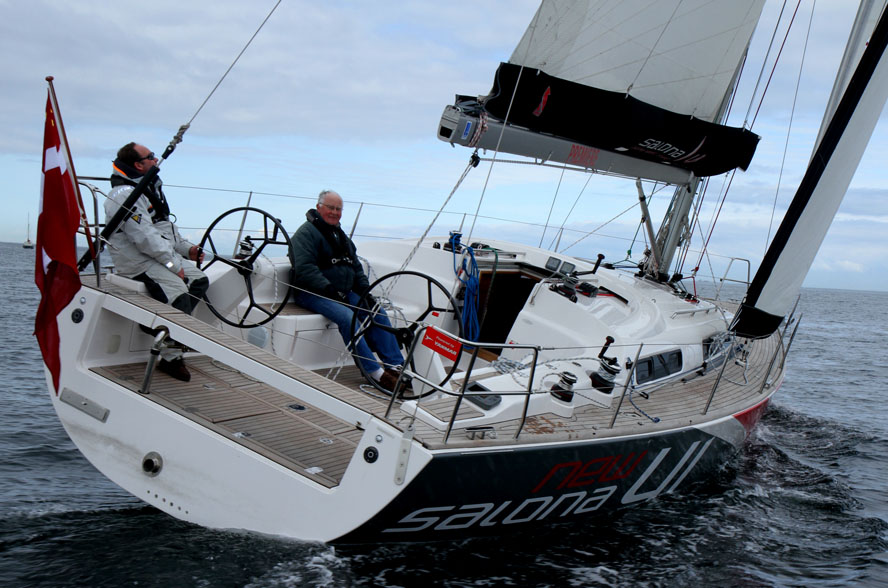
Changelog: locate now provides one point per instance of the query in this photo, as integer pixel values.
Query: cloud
(348, 95)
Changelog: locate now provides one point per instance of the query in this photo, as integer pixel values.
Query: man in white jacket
(147, 246)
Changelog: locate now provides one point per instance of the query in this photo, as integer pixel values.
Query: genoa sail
(791, 253)
(627, 79)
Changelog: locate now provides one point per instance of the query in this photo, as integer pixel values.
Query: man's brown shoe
(390, 378)
(175, 368)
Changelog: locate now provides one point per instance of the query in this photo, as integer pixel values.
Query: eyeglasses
(149, 156)
(332, 208)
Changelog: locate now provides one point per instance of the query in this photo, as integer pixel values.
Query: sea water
(803, 504)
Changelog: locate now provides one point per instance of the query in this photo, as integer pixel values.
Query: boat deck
(320, 446)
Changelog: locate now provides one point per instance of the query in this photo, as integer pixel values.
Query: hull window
(658, 366)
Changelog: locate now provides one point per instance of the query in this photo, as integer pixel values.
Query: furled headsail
(791, 253)
(627, 86)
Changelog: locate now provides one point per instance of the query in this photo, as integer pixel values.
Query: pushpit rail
(476, 348)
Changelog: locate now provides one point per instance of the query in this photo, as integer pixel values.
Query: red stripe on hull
(749, 417)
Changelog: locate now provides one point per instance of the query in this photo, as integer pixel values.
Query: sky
(348, 95)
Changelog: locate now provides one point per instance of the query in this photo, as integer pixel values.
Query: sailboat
(545, 388)
(28, 244)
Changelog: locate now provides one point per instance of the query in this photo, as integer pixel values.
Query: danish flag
(55, 268)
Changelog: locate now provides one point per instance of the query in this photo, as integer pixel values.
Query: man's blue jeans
(381, 341)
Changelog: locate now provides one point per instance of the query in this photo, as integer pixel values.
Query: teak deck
(320, 446)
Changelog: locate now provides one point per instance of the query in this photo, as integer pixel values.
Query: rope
(552, 206)
(570, 212)
(599, 227)
(213, 91)
(473, 162)
(472, 284)
(789, 126)
(631, 401)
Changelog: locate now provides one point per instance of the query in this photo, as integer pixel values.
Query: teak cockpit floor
(276, 425)
(320, 446)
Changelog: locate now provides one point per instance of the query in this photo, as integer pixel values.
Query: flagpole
(63, 137)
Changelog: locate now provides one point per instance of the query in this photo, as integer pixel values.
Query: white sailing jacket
(139, 242)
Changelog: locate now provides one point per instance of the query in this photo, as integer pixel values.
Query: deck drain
(240, 434)
(296, 406)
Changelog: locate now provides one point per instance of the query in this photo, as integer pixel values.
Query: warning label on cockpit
(441, 343)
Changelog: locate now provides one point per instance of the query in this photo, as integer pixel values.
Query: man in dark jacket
(330, 280)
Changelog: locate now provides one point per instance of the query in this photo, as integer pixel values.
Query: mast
(675, 221)
(779, 278)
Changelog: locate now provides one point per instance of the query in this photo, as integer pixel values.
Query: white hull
(351, 472)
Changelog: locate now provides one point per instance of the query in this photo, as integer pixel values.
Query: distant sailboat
(28, 244)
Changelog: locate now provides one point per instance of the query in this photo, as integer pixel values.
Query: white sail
(681, 55)
(632, 87)
(790, 255)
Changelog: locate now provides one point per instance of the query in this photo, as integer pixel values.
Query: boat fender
(152, 463)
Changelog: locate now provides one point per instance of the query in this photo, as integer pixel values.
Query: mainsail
(779, 278)
(630, 86)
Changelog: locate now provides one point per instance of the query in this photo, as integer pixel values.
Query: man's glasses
(149, 156)
(332, 208)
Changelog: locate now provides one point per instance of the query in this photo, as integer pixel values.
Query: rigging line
(570, 212)
(698, 206)
(716, 215)
(706, 253)
(472, 163)
(764, 64)
(551, 206)
(776, 61)
(532, 28)
(213, 91)
(605, 223)
(599, 227)
(751, 124)
(795, 98)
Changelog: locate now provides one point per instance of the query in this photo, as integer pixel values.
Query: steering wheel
(272, 232)
(404, 335)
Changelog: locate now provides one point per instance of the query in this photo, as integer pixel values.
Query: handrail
(693, 311)
(724, 277)
(463, 392)
(96, 225)
(626, 386)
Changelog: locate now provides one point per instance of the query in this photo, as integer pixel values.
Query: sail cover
(648, 78)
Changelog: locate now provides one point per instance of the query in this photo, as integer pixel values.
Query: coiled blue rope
(472, 283)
